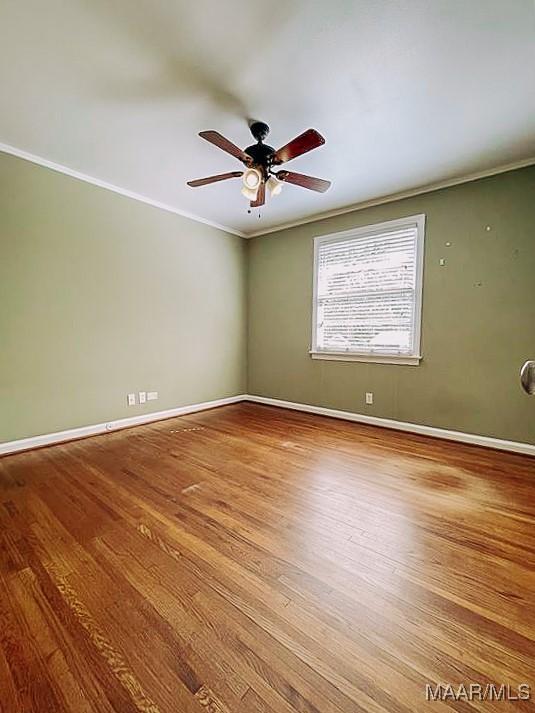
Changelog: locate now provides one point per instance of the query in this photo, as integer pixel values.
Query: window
(368, 293)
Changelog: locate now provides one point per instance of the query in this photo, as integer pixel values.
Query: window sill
(403, 359)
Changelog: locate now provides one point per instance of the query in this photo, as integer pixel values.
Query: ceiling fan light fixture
(274, 186)
(250, 193)
(252, 178)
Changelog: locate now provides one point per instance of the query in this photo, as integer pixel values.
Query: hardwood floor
(251, 559)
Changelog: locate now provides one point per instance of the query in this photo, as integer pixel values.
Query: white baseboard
(46, 439)
(487, 441)
(71, 434)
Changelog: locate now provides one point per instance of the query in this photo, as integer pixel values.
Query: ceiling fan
(259, 160)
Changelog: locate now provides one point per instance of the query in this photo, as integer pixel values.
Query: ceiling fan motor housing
(262, 155)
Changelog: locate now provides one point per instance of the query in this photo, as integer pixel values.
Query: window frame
(378, 357)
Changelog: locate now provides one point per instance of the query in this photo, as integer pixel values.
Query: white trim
(363, 232)
(39, 160)
(370, 358)
(471, 438)
(391, 197)
(74, 433)
(428, 188)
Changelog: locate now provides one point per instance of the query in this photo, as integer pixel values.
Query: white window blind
(367, 290)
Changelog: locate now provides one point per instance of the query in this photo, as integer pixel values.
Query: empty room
(267, 356)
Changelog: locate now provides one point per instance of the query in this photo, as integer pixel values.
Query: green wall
(478, 314)
(101, 295)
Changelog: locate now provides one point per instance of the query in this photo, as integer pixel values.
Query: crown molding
(39, 160)
(428, 188)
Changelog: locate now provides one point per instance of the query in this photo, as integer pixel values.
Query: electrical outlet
(142, 397)
(152, 396)
(369, 397)
(131, 399)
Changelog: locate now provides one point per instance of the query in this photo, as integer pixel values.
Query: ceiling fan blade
(214, 179)
(260, 196)
(299, 179)
(221, 142)
(308, 140)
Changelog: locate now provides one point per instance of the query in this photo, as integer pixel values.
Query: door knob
(527, 377)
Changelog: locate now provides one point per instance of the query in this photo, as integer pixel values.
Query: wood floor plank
(304, 584)
(260, 560)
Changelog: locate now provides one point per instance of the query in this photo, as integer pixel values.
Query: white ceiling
(406, 92)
